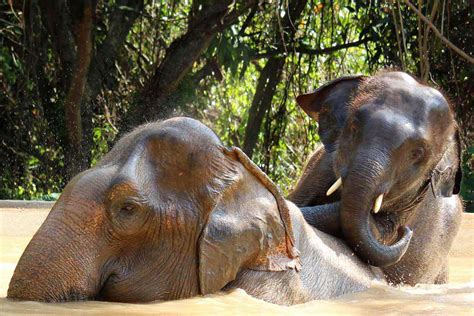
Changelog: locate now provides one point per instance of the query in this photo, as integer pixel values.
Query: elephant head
(168, 213)
(392, 139)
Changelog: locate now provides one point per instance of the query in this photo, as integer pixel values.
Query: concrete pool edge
(26, 204)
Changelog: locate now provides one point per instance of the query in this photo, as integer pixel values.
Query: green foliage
(34, 136)
(287, 136)
(467, 188)
(103, 135)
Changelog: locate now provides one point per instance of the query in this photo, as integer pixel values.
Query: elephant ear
(328, 105)
(447, 175)
(248, 228)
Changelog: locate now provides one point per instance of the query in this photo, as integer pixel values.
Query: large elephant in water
(387, 176)
(171, 213)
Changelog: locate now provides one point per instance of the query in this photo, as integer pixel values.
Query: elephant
(386, 178)
(172, 213)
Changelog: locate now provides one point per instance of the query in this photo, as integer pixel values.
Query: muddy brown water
(19, 221)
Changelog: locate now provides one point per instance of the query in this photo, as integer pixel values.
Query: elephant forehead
(396, 124)
(187, 130)
(393, 119)
(392, 125)
(399, 76)
(172, 138)
(405, 88)
(435, 101)
(410, 105)
(179, 154)
(180, 141)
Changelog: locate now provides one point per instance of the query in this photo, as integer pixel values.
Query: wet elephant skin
(171, 213)
(390, 144)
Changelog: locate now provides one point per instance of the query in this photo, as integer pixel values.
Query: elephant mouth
(385, 200)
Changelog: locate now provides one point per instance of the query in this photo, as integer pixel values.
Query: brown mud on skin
(18, 223)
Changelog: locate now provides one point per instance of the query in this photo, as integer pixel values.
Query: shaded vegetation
(76, 75)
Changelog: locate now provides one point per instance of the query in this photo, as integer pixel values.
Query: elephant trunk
(361, 188)
(59, 263)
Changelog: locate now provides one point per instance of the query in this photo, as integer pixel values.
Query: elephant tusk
(378, 203)
(334, 187)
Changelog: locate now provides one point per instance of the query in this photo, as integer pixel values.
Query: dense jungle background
(76, 75)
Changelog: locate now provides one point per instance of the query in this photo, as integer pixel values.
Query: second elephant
(387, 178)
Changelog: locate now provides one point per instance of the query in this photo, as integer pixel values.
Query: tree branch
(329, 50)
(314, 51)
(211, 68)
(204, 23)
(397, 33)
(102, 72)
(248, 20)
(271, 75)
(262, 99)
(438, 33)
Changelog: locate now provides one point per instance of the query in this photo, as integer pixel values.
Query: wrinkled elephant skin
(171, 213)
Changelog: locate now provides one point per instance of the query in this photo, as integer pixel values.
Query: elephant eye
(128, 209)
(128, 215)
(416, 155)
(353, 124)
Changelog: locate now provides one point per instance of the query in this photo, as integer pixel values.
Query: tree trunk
(57, 20)
(82, 77)
(102, 68)
(270, 76)
(75, 161)
(262, 100)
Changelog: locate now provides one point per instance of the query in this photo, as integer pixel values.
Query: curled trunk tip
(377, 254)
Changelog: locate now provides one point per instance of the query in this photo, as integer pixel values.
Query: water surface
(18, 224)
